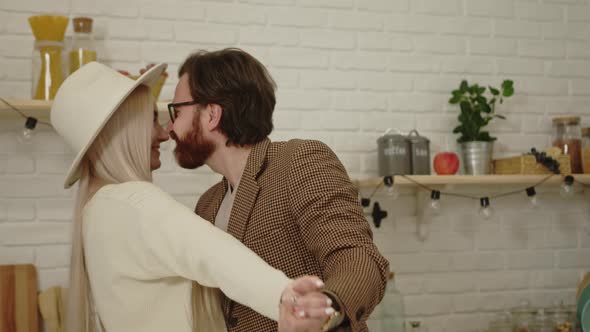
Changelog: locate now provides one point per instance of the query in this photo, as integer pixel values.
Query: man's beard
(193, 150)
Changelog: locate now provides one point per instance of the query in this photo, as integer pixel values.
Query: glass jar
(47, 75)
(523, 317)
(502, 322)
(586, 150)
(567, 136)
(562, 318)
(83, 50)
(392, 308)
(542, 322)
(47, 69)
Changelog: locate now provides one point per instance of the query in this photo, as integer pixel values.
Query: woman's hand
(303, 306)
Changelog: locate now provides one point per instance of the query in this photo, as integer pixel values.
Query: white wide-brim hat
(85, 102)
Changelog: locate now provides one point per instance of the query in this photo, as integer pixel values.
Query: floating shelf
(435, 180)
(40, 108)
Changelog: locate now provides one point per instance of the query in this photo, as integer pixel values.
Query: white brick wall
(347, 70)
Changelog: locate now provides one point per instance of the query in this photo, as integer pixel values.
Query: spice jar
(586, 150)
(567, 136)
(502, 322)
(83, 50)
(542, 322)
(562, 318)
(523, 317)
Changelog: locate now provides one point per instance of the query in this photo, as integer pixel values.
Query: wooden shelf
(40, 108)
(436, 180)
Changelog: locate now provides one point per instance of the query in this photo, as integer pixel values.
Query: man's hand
(303, 307)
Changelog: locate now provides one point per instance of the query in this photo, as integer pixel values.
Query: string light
(435, 202)
(532, 195)
(567, 187)
(26, 136)
(485, 210)
(392, 191)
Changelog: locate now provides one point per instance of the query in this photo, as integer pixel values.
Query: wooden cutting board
(18, 298)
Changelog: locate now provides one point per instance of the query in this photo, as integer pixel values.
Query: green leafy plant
(477, 110)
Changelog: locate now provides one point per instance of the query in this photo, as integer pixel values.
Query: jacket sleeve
(333, 226)
(176, 242)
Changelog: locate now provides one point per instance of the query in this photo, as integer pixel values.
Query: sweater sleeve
(173, 241)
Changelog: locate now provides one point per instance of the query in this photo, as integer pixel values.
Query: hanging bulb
(391, 189)
(532, 195)
(567, 187)
(485, 210)
(423, 231)
(435, 202)
(26, 136)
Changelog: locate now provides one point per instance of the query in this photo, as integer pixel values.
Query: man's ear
(213, 114)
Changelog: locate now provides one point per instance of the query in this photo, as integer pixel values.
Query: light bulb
(435, 205)
(28, 132)
(532, 195)
(485, 210)
(567, 187)
(534, 202)
(391, 189)
(423, 231)
(435, 202)
(392, 192)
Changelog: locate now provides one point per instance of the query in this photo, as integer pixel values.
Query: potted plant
(477, 111)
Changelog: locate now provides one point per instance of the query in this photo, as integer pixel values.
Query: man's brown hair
(238, 83)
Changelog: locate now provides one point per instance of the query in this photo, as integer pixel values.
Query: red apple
(446, 163)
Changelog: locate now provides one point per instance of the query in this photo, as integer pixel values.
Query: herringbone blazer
(296, 208)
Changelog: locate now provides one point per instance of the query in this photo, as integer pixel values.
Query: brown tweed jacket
(297, 209)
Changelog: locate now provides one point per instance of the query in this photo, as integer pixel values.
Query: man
(290, 202)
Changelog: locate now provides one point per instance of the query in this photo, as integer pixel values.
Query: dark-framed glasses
(173, 108)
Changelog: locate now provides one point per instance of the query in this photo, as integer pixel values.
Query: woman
(135, 250)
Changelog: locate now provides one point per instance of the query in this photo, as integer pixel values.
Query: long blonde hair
(121, 153)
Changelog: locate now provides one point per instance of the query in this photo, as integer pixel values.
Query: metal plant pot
(477, 157)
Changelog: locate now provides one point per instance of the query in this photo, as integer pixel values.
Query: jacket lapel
(217, 200)
(247, 190)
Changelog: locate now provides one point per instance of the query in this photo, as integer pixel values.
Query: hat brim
(149, 78)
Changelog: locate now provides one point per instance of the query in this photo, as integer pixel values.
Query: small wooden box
(528, 165)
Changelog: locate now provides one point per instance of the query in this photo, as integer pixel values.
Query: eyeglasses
(173, 108)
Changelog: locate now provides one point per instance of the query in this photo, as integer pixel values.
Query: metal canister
(393, 154)
(420, 153)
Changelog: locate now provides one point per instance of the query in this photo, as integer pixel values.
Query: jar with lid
(419, 153)
(83, 50)
(567, 136)
(393, 154)
(562, 318)
(502, 322)
(523, 317)
(542, 322)
(586, 150)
